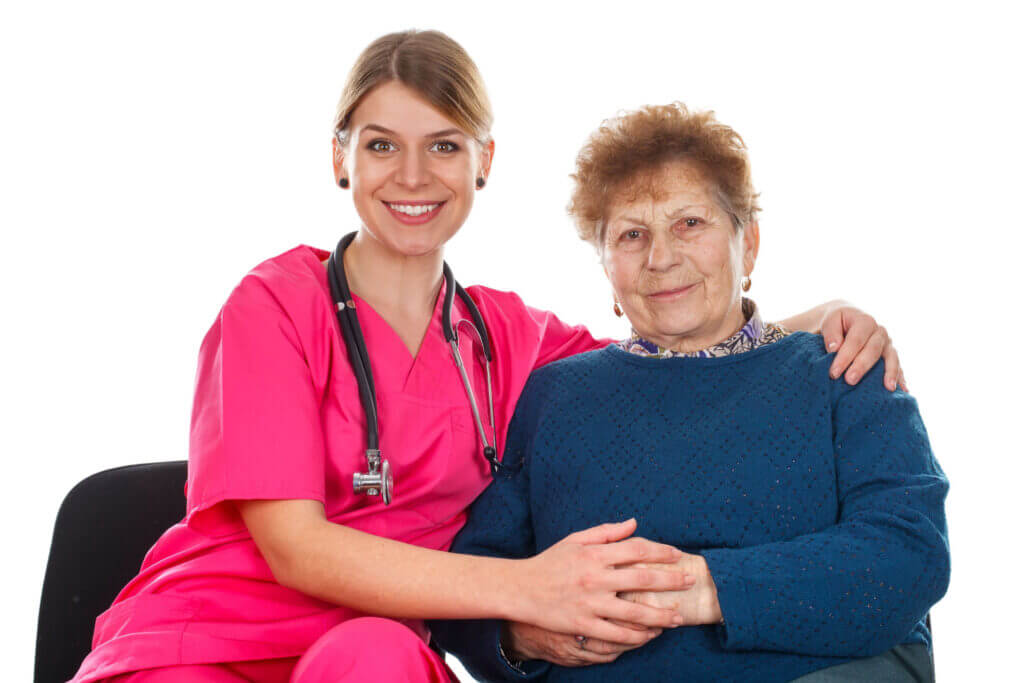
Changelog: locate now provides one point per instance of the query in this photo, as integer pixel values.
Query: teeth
(413, 209)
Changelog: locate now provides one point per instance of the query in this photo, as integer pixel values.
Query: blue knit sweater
(818, 506)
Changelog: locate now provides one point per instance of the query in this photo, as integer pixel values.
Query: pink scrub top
(277, 416)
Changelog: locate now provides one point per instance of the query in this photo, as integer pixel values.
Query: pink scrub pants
(364, 649)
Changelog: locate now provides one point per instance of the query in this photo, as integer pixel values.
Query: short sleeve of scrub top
(255, 401)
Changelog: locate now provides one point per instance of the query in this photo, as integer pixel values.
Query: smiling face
(675, 260)
(411, 169)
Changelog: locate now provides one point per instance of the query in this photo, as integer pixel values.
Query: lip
(414, 220)
(670, 294)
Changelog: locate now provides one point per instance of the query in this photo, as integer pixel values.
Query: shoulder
(291, 281)
(520, 326)
(807, 356)
(499, 303)
(567, 377)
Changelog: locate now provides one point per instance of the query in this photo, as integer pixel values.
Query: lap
(371, 648)
(265, 671)
(364, 649)
(909, 663)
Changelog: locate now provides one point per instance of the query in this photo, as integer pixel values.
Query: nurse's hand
(856, 338)
(526, 641)
(573, 586)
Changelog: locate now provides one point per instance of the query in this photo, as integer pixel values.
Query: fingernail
(833, 373)
(677, 553)
(832, 346)
(677, 620)
(852, 377)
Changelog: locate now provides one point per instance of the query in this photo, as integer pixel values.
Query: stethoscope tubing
(378, 479)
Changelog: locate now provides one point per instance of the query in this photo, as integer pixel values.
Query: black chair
(105, 526)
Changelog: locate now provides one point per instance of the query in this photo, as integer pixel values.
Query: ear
(751, 244)
(486, 157)
(338, 159)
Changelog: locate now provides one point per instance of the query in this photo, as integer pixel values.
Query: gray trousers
(902, 664)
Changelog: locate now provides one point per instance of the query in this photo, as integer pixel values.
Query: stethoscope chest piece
(378, 481)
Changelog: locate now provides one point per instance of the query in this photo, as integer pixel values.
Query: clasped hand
(673, 590)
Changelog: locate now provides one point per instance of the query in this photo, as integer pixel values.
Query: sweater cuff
(528, 670)
(739, 629)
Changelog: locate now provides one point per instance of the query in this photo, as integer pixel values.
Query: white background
(152, 153)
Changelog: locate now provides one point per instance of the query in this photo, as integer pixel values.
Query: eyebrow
(683, 209)
(672, 214)
(438, 134)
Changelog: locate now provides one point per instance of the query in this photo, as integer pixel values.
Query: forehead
(660, 189)
(399, 108)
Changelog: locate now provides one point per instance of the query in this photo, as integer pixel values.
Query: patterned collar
(754, 333)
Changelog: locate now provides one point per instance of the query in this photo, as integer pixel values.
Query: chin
(415, 240)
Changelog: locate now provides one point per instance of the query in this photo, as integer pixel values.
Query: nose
(412, 170)
(661, 256)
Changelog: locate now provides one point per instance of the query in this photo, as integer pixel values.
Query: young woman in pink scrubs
(279, 571)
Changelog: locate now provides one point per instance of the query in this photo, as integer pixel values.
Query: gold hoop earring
(746, 284)
(618, 309)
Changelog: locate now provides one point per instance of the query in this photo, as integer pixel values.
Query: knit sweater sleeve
(499, 525)
(856, 588)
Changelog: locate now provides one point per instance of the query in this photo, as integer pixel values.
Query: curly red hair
(620, 157)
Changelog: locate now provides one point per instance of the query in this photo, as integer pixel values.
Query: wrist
(508, 647)
(711, 611)
(512, 591)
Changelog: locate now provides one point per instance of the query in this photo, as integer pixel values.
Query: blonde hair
(621, 154)
(428, 62)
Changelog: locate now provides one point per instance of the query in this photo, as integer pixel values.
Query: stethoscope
(379, 480)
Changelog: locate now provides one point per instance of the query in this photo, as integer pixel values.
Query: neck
(393, 283)
(699, 340)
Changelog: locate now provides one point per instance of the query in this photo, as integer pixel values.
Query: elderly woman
(810, 511)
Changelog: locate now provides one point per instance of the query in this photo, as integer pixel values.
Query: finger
(603, 533)
(903, 381)
(893, 372)
(636, 627)
(603, 647)
(868, 356)
(636, 613)
(639, 550)
(832, 330)
(586, 658)
(856, 337)
(628, 579)
(601, 629)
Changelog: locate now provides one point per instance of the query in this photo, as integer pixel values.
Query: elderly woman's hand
(696, 605)
(526, 641)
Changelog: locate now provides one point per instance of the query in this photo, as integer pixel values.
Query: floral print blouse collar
(754, 333)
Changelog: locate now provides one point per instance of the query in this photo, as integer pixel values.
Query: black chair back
(104, 529)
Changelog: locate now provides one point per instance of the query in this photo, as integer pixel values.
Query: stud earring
(745, 284)
(480, 182)
(343, 183)
(618, 309)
